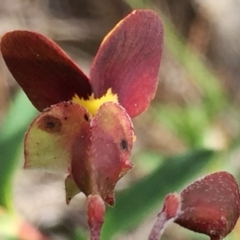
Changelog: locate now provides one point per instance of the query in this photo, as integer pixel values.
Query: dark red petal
(211, 205)
(108, 157)
(42, 69)
(53, 135)
(128, 61)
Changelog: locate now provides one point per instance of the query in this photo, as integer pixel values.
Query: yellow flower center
(93, 104)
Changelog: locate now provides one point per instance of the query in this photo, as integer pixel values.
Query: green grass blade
(11, 138)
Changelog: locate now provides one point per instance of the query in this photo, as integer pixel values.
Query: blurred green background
(191, 128)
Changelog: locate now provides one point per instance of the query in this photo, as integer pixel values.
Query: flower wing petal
(128, 61)
(53, 135)
(44, 71)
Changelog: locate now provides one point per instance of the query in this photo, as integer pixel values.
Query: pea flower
(84, 128)
(210, 205)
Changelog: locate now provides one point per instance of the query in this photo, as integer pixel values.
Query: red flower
(210, 205)
(85, 127)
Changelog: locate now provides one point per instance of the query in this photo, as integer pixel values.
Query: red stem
(158, 227)
(27, 232)
(95, 212)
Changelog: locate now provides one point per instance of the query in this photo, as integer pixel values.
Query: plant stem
(158, 227)
(170, 211)
(95, 212)
(27, 232)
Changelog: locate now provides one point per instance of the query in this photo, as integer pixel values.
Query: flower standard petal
(128, 61)
(44, 71)
(52, 136)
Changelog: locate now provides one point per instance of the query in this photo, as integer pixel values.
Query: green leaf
(137, 202)
(11, 138)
